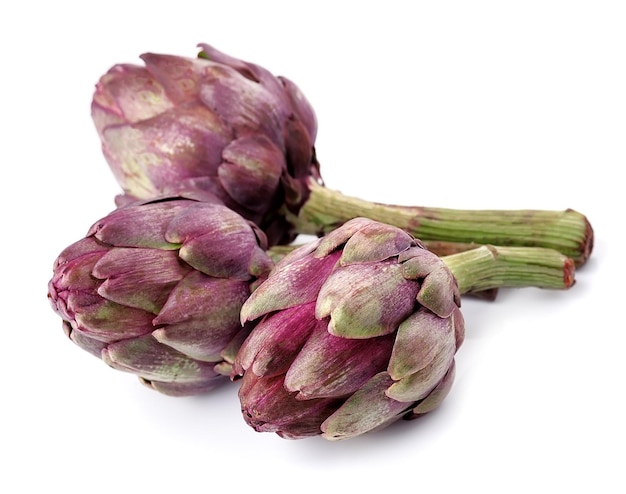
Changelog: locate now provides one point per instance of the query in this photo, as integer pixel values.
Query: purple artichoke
(358, 330)
(218, 124)
(214, 123)
(156, 288)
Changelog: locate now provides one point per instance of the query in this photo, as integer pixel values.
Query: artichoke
(230, 127)
(156, 287)
(214, 123)
(360, 328)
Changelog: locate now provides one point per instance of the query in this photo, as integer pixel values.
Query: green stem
(277, 252)
(490, 267)
(481, 271)
(567, 231)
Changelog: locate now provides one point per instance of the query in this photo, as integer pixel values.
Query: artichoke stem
(453, 230)
(489, 267)
(277, 252)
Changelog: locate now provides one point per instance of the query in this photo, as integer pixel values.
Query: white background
(481, 104)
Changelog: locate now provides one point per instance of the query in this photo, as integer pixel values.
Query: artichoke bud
(355, 331)
(215, 122)
(156, 289)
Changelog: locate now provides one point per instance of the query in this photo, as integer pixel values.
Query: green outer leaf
(366, 300)
(416, 386)
(365, 410)
(420, 339)
(375, 242)
(436, 396)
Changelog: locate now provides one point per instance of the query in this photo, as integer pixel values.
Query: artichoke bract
(156, 287)
(212, 122)
(360, 328)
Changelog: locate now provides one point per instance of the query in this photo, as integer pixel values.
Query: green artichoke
(156, 287)
(360, 328)
(215, 123)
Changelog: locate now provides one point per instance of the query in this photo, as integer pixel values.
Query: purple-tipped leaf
(288, 285)
(271, 350)
(332, 367)
(201, 315)
(125, 269)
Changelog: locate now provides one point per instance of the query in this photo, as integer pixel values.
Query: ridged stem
(567, 231)
(481, 271)
(490, 267)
